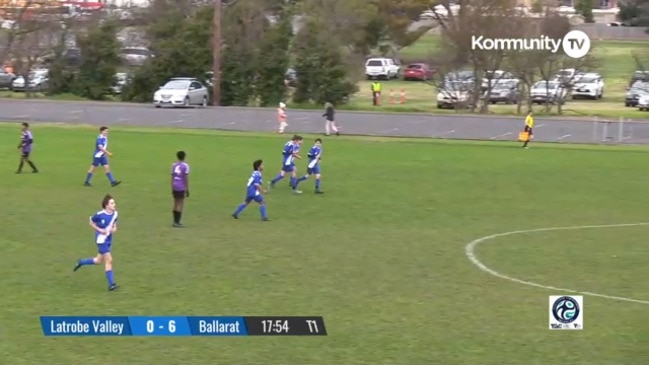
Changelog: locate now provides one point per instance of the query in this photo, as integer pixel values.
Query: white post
(620, 130)
(595, 128)
(604, 131)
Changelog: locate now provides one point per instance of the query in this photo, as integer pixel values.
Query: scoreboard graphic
(170, 326)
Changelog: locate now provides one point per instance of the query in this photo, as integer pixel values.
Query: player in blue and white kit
(100, 157)
(254, 189)
(313, 167)
(289, 154)
(104, 222)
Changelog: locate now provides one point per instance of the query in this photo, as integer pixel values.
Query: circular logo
(576, 44)
(565, 310)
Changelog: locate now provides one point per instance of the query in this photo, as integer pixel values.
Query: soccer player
(101, 158)
(529, 124)
(254, 189)
(179, 186)
(25, 147)
(330, 123)
(289, 154)
(104, 222)
(313, 168)
(281, 117)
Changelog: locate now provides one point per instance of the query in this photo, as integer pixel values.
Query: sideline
(471, 246)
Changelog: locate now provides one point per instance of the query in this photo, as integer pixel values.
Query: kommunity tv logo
(575, 44)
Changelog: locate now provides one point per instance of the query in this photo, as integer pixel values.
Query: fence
(603, 32)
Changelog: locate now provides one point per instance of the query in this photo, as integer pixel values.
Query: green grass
(380, 255)
(615, 63)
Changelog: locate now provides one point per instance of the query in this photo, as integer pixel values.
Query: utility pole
(216, 54)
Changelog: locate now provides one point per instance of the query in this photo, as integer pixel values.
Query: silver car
(181, 91)
(135, 56)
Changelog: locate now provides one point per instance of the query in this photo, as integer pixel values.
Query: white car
(643, 102)
(181, 91)
(567, 76)
(496, 77)
(551, 92)
(383, 68)
(135, 56)
(590, 85)
(455, 94)
(37, 81)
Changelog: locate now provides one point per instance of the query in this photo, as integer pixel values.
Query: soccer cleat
(178, 225)
(235, 216)
(112, 287)
(295, 191)
(319, 192)
(265, 219)
(86, 184)
(115, 183)
(77, 266)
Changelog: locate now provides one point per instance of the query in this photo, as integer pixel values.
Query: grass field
(380, 255)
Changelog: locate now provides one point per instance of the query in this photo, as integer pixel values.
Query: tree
(321, 71)
(585, 9)
(273, 64)
(32, 40)
(634, 12)
(247, 26)
(99, 61)
(391, 27)
(180, 38)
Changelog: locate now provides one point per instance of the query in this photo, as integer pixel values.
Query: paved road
(360, 123)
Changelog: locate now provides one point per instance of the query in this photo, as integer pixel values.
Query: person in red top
(281, 117)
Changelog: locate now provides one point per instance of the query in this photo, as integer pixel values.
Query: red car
(418, 72)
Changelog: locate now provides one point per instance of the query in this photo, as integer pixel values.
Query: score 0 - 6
(170, 327)
(159, 326)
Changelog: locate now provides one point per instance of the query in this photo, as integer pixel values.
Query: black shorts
(528, 130)
(178, 194)
(25, 154)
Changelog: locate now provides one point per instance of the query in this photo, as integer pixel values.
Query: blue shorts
(314, 170)
(96, 161)
(288, 168)
(103, 248)
(256, 198)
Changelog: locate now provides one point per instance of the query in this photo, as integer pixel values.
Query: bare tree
(37, 38)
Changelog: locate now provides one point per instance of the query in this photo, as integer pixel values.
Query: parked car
(639, 76)
(181, 91)
(505, 91)
(568, 76)
(418, 72)
(461, 75)
(544, 92)
(496, 77)
(590, 85)
(381, 68)
(643, 102)
(135, 56)
(37, 80)
(121, 79)
(455, 94)
(6, 78)
(634, 93)
(290, 78)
